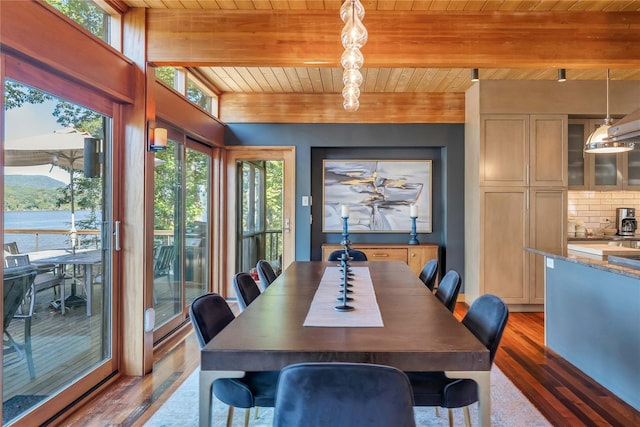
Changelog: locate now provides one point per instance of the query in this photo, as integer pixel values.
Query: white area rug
(509, 408)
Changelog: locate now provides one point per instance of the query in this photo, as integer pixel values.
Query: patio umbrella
(65, 147)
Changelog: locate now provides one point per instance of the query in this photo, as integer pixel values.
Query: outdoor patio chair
(47, 274)
(162, 264)
(18, 284)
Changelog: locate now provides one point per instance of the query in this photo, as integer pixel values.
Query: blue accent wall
(442, 143)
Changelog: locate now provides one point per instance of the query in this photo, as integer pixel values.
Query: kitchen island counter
(592, 319)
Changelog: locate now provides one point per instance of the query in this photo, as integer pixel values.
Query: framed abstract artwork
(377, 194)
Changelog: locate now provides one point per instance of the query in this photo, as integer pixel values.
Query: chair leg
(256, 414)
(230, 416)
(247, 414)
(437, 411)
(27, 348)
(450, 417)
(467, 417)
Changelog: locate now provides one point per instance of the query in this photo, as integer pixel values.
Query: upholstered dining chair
(265, 273)
(429, 273)
(354, 254)
(448, 289)
(246, 288)
(209, 315)
(486, 319)
(343, 394)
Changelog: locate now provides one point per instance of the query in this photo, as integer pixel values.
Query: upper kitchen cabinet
(599, 172)
(523, 150)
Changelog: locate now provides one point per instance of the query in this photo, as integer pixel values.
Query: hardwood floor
(564, 395)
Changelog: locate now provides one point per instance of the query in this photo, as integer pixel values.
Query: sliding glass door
(182, 229)
(58, 268)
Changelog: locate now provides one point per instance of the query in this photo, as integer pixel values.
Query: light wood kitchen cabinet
(523, 150)
(545, 234)
(523, 189)
(511, 220)
(599, 172)
(415, 256)
(504, 233)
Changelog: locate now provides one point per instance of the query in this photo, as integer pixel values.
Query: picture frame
(377, 194)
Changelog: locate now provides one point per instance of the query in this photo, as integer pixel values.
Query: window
(87, 14)
(189, 86)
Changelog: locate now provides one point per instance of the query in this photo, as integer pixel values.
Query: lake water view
(48, 220)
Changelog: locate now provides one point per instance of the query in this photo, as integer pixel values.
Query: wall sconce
(474, 75)
(562, 75)
(157, 138)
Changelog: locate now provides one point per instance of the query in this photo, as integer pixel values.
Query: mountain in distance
(33, 181)
(31, 193)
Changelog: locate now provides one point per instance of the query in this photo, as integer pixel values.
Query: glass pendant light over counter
(599, 141)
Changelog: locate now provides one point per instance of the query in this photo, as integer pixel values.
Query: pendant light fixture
(599, 141)
(353, 36)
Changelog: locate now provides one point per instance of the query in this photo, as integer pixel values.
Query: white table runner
(366, 313)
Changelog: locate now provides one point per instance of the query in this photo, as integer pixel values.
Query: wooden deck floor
(64, 347)
(564, 395)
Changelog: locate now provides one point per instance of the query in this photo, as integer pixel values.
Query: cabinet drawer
(386, 254)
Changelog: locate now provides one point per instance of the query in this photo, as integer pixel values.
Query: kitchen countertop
(611, 237)
(599, 264)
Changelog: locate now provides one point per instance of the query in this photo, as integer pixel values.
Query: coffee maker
(626, 221)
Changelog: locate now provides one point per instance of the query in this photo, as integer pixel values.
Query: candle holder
(345, 291)
(413, 240)
(345, 232)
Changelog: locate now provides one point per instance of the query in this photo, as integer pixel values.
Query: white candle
(414, 211)
(345, 211)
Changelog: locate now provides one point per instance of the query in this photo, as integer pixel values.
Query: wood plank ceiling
(313, 79)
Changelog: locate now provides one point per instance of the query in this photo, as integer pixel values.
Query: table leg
(483, 379)
(206, 385)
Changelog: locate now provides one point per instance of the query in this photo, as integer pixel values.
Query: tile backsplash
(594, 207)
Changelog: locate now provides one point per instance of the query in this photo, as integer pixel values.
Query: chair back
(163, 259)
(265, 273)
(246, 289)
(448, 289)
(343, 394)
(486, 319)
(16, 260)
(428, 274)
(17, 283)
(209, 314)
(12, 248)
(354, 254)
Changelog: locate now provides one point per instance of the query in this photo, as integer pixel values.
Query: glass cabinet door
(606, 172)
(578, 160)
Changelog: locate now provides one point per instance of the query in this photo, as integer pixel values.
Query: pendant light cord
(608, 119)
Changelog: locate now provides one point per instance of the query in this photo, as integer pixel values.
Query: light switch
(305, 200)
(549, 262)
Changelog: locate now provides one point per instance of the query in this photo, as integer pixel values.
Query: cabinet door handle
(380, 255)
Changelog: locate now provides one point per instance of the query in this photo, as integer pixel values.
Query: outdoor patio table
(419, 333)
(62, 257)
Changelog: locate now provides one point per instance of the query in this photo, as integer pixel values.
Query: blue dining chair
(343, 394)
(265, 274)
(448, 289)
(246, 288)
(429, 273)
(209, 315)
(486, 319)
(354, 255)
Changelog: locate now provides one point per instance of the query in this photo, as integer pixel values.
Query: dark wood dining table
(419, 333)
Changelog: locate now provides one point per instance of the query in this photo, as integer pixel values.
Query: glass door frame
(31, 75)
(248, 153)
(186, 143)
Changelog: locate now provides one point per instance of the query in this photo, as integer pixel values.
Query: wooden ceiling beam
(396, 39)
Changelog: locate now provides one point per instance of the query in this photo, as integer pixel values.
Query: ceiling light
(562, 75)
(475, 75)
(599, 141)
(353, 36)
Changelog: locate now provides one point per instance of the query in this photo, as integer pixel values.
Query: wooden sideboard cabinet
(416, 256)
